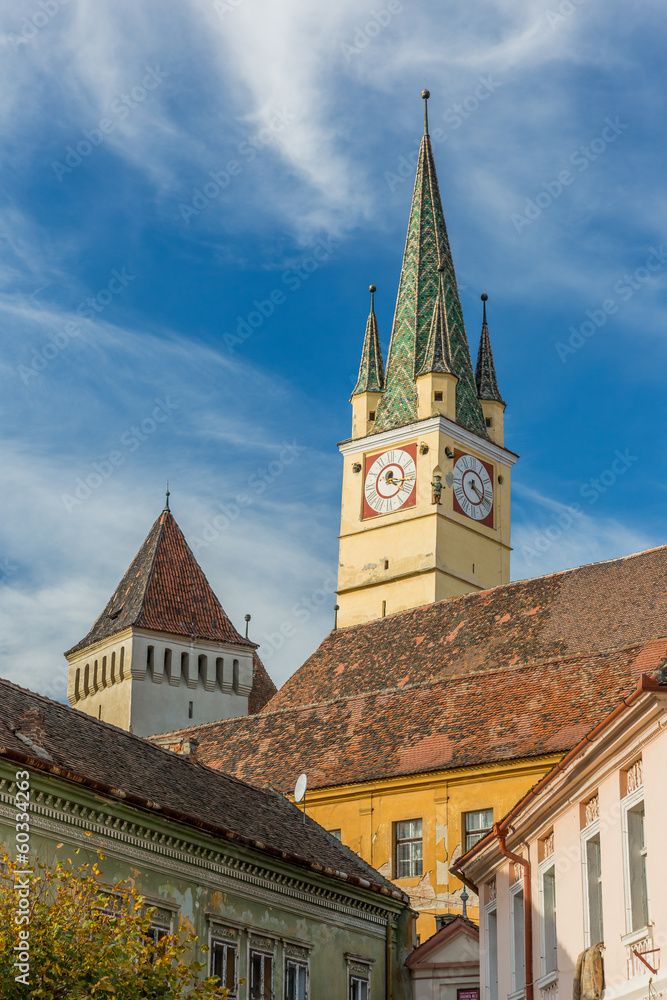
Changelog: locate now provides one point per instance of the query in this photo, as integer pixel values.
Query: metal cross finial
(167, 495)
(426, 94)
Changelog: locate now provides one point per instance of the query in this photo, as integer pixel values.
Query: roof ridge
(432, 682)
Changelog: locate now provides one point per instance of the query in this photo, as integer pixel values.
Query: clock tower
(426, 476)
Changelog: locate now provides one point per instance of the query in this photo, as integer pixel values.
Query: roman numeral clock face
(390, 480)
(473, 488)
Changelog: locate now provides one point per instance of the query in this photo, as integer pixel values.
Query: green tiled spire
(371, 369)
(426, 246)
(485, 372)
(438, 353)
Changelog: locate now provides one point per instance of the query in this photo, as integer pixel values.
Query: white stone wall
(155, 683)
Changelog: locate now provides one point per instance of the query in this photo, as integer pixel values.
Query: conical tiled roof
(438, 353)
(427, 246)
(371, 369)
(485, 372)
(165, 589)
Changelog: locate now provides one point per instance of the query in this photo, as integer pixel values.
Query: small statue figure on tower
(436, 486)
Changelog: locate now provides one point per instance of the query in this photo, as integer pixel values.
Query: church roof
(263, 688)
(371, 369)
(511, 713)
(74, 747)
(165, 590)
(485, 372)
(426, 246)
(521, 670)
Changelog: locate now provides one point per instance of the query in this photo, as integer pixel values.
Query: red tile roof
(601, 606)
(165, 589)
(481, 718)
(263, 688)
(75, 747)
(522, 670)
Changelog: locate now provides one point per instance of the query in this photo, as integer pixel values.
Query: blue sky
(195, 197)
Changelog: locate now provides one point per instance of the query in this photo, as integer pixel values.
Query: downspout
(527, 908)
(389, 992)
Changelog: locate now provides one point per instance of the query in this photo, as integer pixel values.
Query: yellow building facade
(367, 818)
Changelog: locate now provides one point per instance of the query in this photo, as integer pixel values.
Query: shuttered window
(637, 867)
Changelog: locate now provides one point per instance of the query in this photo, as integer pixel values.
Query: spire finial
(372, 289)
(426, 94)
(484, 298)
(167, 495)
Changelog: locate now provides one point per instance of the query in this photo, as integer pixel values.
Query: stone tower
(163, 654)
(426, 477)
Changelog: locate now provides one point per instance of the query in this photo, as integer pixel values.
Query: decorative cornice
(69, 820)
(375, 442)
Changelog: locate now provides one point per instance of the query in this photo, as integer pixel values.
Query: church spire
(426, 247)
(438, 353)
(485, 372)
(371, 369)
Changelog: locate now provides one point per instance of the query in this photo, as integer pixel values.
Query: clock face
(473, 488)
(390, 481)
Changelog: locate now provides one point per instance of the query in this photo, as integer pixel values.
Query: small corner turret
(492, 403)
(370, 384)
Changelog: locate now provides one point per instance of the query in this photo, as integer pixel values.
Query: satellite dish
(300, 787)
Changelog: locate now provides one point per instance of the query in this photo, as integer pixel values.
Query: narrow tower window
(77, 684)
(190, 710)
(122, 662)
(113, 668)
(438, 397)
(235, 676)
(167, 663)
(371, 415)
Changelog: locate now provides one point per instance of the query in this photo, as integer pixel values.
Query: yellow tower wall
(432, 551)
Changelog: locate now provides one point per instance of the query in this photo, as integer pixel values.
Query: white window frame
(255, 948)
(217, 932)
(358, 971)
(547, 977)
(412, 861)
(489, 909)
(628, 804)
(588, 833)
(518, 989)
(301, 963)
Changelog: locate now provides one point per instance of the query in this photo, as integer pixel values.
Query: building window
(160, 928)
(337, 834)
(191, 711)
(438, 397)
(592, 870)
(261, 976)
(409, 851)
(371, 415)
(224, 965)
(636, 888)
(296, 980)
(492, 953)
(489, 422)
(150, 658)
(235, 676)
(548, 919)
(518, 958)
(477, 824)
(358, 988)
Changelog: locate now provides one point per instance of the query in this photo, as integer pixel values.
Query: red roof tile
(165, 589)
(78, 748)
(497, 715)
(597, 607)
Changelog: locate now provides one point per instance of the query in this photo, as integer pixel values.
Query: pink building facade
(581, 860)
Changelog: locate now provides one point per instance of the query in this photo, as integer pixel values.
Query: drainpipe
(389, 961)
(527, 908)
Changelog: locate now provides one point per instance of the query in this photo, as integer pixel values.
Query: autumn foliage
(88, 939)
